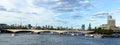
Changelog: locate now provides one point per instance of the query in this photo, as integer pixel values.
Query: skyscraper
(89, 27)
(83, 27)
(29, 26)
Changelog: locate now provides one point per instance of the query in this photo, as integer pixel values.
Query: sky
(72, 13)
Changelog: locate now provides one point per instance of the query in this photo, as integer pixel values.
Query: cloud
(64, 5)
(24, 10)
(118, 10)
(76, 16)
(2, 8)
(102, 14)
(43, 12)
(59, 20)
(99, 15)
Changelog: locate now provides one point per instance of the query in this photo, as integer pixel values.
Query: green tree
(103, 31)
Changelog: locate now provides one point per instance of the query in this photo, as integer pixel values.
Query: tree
(38, 27)
(103, 31)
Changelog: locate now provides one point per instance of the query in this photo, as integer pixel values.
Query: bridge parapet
(58, 31)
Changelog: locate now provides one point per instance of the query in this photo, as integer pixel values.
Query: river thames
(36, 39)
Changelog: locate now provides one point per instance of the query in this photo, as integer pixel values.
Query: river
(36, 39)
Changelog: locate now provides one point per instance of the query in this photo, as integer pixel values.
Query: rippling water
(35, 39)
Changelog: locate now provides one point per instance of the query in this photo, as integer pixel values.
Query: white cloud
(99, 15)
(40, 11)
(2, 8)
(64, 5)
(102, 14)
(118, 10)
(24, 10)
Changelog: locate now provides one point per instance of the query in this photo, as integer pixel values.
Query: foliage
(103, 31)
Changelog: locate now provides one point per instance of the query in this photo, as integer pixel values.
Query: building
(111, 24)
(83, 27)
(89, 27)
(3, 26)
(29, 26)
(105, 26)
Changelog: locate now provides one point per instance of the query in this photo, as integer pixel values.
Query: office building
(83, 27)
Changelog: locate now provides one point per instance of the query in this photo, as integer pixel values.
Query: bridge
(38, 31)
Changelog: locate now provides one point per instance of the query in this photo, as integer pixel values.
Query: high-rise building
(111, 22)
(29, 26)
(89, 27)
(83, 27)
(3, 26)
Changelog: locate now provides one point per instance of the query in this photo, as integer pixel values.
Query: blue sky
(59, 12)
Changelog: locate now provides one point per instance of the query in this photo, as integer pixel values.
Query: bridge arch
(24, 32)
(52, 32)
(70, 33)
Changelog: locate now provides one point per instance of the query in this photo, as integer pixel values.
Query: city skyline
(71, 13)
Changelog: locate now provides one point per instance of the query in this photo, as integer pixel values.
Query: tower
(109, 17)
(111, 22)
(29, 26)
(89, 27)
(83, 27)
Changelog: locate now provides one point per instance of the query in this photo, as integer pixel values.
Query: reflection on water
(35, 39)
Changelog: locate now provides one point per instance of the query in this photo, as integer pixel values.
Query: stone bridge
(38, 31)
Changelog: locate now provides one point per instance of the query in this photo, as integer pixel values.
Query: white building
(111, 24)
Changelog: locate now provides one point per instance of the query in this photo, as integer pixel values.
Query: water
(35, 39)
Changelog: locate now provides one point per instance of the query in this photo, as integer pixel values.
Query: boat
(98, 36)
(73, 34)
(13, 35)
(89, 35)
